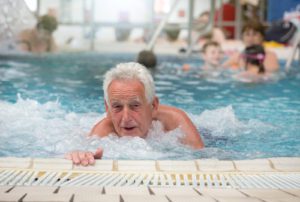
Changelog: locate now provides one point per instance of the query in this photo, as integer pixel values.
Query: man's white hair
(130, 71)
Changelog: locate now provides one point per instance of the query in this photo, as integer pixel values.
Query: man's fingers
(75, 157)
(99, 153)
(90, 158)
(84, 158)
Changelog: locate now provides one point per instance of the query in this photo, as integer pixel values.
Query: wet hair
(147, 58)
(255, 55)
(48, 23)
(209, 43)
(254, 25)
(130, 71)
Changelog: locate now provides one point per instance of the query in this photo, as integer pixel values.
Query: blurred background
(92, 25)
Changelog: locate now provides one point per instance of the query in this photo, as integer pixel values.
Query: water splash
(30, 128)
(223, 122)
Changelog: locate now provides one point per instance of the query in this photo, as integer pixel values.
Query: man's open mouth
(129, 128)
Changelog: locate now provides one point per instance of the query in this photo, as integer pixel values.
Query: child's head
(254, 55)
(253, 33)
(147, 58)
(47, 23)
(212, 53)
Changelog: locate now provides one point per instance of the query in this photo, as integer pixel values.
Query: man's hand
(84, 158)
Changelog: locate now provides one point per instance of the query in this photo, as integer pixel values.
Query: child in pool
(212, 55)
(253, 34)
(255, 71)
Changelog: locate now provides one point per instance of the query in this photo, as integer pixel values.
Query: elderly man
(131, 106)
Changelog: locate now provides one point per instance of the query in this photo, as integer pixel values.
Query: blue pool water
(48, 104)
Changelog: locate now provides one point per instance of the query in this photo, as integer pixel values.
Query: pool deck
(169, 48)
(58, 180)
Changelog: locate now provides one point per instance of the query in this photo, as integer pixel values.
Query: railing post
(190, 26)
(161, 26)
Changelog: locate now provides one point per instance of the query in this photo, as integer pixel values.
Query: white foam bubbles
(157, 145)
(223, 122)
(36, 129)
(30, 128)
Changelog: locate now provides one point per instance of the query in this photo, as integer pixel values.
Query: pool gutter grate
(274, 180)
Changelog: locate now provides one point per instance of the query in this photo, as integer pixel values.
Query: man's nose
(126, 114)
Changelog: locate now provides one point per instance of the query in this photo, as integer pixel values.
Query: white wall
(114, 11)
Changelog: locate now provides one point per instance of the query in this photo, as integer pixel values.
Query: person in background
(212, 55)
(253, 34)
(216, 33)
(254, 57)
(147, 58)
(39, 39)
(131, 107)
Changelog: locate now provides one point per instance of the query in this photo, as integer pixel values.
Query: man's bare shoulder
(165, 110)
(171, 117)
(103, 128)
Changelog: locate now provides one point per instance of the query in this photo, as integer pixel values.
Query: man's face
(128, 108)
(213, 55)
(252, 37)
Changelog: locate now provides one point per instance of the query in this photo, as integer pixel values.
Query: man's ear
(106, 107)
(154, 105)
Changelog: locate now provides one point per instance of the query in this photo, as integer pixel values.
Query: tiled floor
(133, 194)
(57, 180)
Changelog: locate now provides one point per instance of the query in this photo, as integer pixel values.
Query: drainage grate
(163, 179)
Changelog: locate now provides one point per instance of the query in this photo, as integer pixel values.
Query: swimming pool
(48, 104)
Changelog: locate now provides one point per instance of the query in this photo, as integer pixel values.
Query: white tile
(286, 164)
(33, 189)
(52, 164)
(13, 162)
(185, 166)
(214, 165)
(174, 198)
(80, 190)
(100, 165)
(129, 165)
(288, 199)
(96, 198)
(238, 199)
(253, 165)
(11, 197)
(3, 189)
(295, 192)
(266, 193)
(144, 198)
(40, 197)
(221, 193)
(127, 190)
(174, 191)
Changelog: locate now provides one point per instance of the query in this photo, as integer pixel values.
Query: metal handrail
(206, 28)
(293, 55)
(161, 26)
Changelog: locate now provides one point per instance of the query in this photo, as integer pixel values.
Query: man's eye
(134, 106)
(116, 107)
